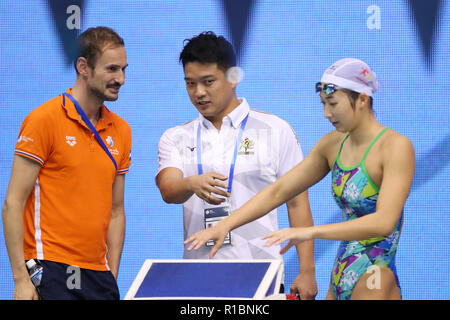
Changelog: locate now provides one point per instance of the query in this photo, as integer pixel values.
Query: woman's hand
(216, 233)
(294, 235)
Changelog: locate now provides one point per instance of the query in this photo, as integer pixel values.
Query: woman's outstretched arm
(312, 169)
(398, 160)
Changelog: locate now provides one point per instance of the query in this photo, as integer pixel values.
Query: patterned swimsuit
(356, 194)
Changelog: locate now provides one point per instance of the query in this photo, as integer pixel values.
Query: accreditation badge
(213, 214)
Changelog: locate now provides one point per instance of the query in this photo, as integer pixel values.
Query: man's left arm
(299, 211)
(116, 230)
(300, 216)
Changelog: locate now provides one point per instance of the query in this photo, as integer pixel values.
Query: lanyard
(89, 124)
(233, 161)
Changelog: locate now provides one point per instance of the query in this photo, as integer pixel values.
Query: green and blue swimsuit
(356, 194)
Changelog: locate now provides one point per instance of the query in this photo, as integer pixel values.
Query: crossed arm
(175, 188)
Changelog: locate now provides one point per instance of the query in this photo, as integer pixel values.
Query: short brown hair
(93, 41)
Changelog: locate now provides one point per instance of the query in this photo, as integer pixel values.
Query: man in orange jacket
(64, 206)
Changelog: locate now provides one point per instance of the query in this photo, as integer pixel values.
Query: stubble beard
(101, 95)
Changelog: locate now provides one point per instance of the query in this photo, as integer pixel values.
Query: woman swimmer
(372, 171)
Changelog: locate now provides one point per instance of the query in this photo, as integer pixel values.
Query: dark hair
(209, 48)
(353, 96)
(93, 41)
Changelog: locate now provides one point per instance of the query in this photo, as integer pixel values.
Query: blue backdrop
(284, 47)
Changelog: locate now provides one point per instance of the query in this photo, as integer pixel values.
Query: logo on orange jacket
(71, 141)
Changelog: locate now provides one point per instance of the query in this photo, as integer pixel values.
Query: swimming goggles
(327, 88)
